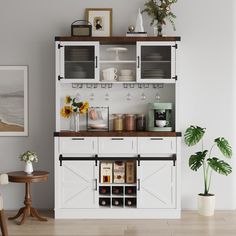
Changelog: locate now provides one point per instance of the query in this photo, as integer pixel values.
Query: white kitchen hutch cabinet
(82, 190)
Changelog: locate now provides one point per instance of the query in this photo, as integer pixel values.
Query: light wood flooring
(191, 224)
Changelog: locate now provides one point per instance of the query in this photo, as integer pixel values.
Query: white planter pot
(206, 205)
(28, 168)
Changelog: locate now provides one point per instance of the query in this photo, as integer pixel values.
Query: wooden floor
(191, 224)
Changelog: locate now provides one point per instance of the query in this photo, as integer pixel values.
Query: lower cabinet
(156, 184)
(78, 184)
(102, 185)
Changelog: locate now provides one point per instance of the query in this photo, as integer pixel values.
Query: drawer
(78, 145)
(160, 145)
(117, 145)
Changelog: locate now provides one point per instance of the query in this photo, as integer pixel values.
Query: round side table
(22, 177)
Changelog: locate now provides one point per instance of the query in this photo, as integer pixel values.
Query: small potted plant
(160, 11)
(208, 161)
(72, 109)
(29, 157)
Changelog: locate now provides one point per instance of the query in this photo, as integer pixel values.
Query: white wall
(27, 30)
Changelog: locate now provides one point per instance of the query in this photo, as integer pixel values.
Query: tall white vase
(29, 168)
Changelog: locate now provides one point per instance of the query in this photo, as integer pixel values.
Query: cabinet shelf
(79, 61)
(144, 61)
(118, 62)
(113, 184)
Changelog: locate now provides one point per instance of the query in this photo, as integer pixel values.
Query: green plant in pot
(160, 11)
(208, 162)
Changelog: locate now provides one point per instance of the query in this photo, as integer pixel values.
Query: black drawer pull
(117, 138)
(81, 139)
(159, 139)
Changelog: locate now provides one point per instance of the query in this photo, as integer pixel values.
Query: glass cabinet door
(156, 62)
(79, 61)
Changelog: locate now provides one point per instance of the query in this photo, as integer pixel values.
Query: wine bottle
(104, 202)
(118, 202)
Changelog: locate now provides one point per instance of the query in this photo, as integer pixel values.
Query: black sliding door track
(138, 158)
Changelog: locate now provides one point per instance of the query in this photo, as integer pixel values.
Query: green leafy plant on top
(204, 158)
(160, 11)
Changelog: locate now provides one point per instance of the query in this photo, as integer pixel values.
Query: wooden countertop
(118, 39)
(116, 134)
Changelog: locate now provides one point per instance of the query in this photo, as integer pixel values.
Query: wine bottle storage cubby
(117, 202)
(105, 190)
(130, 190)
(117, 172)
(130, 202)
(118, 190)
(105, 202)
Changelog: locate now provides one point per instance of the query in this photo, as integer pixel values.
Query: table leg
(17, 215)
(35, 213)
(27, 210)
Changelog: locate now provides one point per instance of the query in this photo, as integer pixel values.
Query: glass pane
(156, 62)
(79, 62)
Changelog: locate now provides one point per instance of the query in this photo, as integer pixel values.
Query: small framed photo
(13, 101)
(101, 21)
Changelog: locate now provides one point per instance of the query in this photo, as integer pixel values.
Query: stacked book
(136, 34)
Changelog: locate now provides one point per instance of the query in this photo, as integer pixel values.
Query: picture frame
(101, 21)
(13, 100)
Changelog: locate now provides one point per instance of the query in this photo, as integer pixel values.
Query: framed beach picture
(101, 21)
(13, 101)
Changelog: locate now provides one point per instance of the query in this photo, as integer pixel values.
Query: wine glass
(143, 96)
(128, 97)
(107, 97)
(92, 97)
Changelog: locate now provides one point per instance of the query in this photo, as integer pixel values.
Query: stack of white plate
(126, 78)
(155, 56)
(153, 73)
(79, 54)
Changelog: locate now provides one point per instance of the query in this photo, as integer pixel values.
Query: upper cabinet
(116, 60)
(78, 62)
(156, 62)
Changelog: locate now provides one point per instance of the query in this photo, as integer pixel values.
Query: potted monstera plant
(207, 161)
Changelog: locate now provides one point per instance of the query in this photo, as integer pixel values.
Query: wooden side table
(22, 177)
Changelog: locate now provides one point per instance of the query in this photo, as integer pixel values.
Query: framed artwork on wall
(13, 101)
(101, 20)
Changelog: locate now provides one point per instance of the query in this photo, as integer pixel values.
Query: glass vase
(158, 30)
(75, 122)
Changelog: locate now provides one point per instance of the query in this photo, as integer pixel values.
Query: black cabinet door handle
(96, 62)
(81, 139)
(157, 139)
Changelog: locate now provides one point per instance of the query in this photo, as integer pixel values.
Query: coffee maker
(159, 117)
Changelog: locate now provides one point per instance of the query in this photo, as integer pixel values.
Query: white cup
(126, 72)
(112, 70)
(161, 123)
(110, 74)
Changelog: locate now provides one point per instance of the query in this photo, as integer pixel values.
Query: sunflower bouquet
(73, 105)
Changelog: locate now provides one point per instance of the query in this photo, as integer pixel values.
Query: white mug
(112, 70)
(161, 123)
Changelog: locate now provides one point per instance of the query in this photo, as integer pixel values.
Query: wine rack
(118, 196)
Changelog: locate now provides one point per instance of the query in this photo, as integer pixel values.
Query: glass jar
(118, 122)
(141, 122)
(129, 122)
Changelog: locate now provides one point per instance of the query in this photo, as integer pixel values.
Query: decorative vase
(158, 30)
(28, 168)
(206, 204)
(74, 122)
